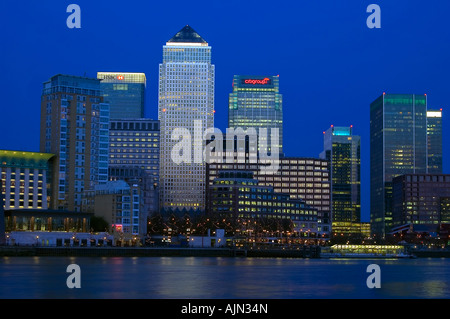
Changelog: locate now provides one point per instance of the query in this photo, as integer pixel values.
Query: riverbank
(300, 252)
(304, 252)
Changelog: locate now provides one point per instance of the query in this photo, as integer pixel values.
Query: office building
(305, 179)
(421, 200)
(124, 92)
(2, 221)
(186, 109)
(434, 133)
(148, 188)
(256, 103)
(237, 195)
(343, 150)
(25, 179)
(74, 127)
(118, 203)
(398, 146)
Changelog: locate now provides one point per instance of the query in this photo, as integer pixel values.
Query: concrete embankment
(306, 252)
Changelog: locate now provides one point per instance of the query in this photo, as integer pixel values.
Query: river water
(222, 278)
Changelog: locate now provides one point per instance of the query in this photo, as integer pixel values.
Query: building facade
(305, 179)
(398, 145)
(135, 143)
(421, 200)
(434, 133)
(256, 103)
(124, 92)
(118, 203)
(343, 150)
(185, 111)
(237, 195)
(25, 179)
(74, 127)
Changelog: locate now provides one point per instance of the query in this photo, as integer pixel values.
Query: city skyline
(365, 77)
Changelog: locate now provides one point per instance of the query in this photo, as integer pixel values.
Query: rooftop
(187, 35)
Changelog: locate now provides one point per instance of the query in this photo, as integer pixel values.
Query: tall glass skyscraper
(398, 145)
(342, 149)
(74, 127)
(434, 131)
(256, 103)
(125, 93)
(186, 102)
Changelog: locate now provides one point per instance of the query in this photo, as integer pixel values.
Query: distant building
(46, 227)
(124, 92)
(134, 156)
(305, 179)
(25, 179)
(434, 134)
(186, 104)
(256, 103)
(217, 239)
(2, 221)
(398, 146)
(119, 204)
(74, 127)
(237, 195)
(421, 200)
(343, 150)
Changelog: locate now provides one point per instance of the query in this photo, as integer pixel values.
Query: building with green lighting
(398, 145)
(256, 103)
(25, 179)
(343, 150)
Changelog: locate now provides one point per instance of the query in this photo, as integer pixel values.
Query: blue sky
(331, 65)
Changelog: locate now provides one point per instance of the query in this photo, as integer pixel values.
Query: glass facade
(256, 103)
(434, 131)
(342, 149)
(124, 92)
(418, 200)
(398, 145)
(186, 102)
(236, 194)
(305, 179)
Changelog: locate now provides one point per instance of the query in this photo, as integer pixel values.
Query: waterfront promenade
(299, 252)
(295, 252)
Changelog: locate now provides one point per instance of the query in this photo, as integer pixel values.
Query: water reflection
(222, 277)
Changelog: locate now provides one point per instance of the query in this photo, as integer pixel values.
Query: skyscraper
(342, 149)
(434, 132)
(256, 103)
(186, 105)
(124, 92)
(74, 127)
(398, 145)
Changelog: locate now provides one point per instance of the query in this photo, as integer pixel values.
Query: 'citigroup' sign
(257, 81)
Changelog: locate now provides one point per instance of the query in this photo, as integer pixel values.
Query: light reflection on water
(220, 277)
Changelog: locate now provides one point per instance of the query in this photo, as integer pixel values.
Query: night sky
(331, 65)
